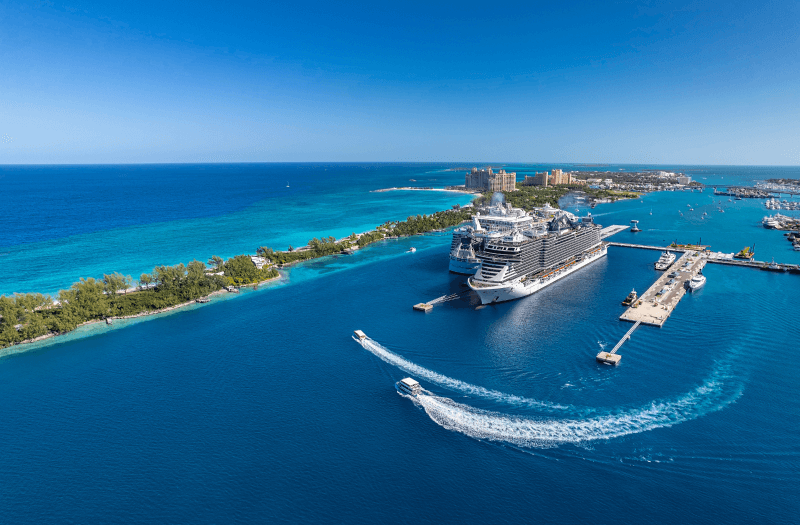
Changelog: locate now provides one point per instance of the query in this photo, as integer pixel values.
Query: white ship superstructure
(498, 217)
(517, 263)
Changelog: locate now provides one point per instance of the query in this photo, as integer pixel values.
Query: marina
(659, 301)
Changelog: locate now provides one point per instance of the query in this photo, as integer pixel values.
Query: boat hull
(518, 289)
(464, 266)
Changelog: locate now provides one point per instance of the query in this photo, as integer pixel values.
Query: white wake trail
(714, 394)
(541, 433)
(454, 384)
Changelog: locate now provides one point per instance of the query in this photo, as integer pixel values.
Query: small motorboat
(412, 249)
(630, 299)
(408, 386)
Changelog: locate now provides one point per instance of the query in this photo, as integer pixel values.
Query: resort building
(684, 180)
(544, 179)
(487, 180)
(540, 179)
(559, 177)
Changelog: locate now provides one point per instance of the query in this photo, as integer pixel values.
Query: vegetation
(328, 246)
(529, 197)
(27, 316)
(240, 270)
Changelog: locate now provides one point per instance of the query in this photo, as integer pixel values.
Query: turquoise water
(261, 408)
(234, 211)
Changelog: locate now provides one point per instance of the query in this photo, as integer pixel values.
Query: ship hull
(518, 289)
(464, 267)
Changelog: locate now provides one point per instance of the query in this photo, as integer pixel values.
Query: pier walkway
(608, 231)
(659, 301)
(612, 358)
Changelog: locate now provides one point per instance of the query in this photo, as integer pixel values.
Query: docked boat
(518, 263)
(665, 261)
(408, 386)
(630, 299)
(774, 267)
(772, 222)
(497, 217)
(635, 226)
(697, 282)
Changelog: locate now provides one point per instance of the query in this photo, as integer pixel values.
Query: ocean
(262, 408)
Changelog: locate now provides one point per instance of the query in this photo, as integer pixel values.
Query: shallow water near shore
(260, 407)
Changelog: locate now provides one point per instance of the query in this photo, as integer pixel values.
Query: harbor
(659, 301)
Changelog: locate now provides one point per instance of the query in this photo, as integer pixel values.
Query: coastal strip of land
(32, 317)
(418, 188)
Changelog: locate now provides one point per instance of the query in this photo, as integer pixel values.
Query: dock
(608, 231)
(654, 307)
(423, 307)
(612, 358)
(644, 246)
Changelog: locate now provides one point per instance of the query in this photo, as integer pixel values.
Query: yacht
(408, 386)
(631, 298)
(665, 261)
(770, 222)
(635, 226)
(697, 282)
(412, 249)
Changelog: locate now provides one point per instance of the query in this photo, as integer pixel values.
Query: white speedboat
(665, 261)
(408, 386)
(412, 249)
(697, 282)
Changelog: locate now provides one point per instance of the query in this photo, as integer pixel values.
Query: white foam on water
(454, 384)
(716, 392)
(542, 433)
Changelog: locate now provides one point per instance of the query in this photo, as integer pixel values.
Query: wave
(542, 433)
(530, 432)
(454, 384)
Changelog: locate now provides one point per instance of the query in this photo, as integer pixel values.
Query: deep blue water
(262, 408)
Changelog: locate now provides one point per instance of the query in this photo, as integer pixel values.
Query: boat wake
(543, 433)
(454, 384)
(713, 394)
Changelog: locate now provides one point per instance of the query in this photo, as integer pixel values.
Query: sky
(319, 81)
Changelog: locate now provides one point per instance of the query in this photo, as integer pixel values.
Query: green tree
(216, 261)
(115, 282)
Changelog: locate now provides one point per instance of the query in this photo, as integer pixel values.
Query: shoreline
(12, 348)
(416, 188)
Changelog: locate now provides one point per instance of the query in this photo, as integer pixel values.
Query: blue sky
(660, 82)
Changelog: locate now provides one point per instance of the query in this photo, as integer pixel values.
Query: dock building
(488, 180)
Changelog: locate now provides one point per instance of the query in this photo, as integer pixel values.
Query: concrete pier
(653, 307)
(612, 358)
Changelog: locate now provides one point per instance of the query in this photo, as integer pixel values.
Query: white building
(684, 180)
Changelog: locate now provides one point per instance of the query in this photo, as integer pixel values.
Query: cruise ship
(497, 217)
(519, 262)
